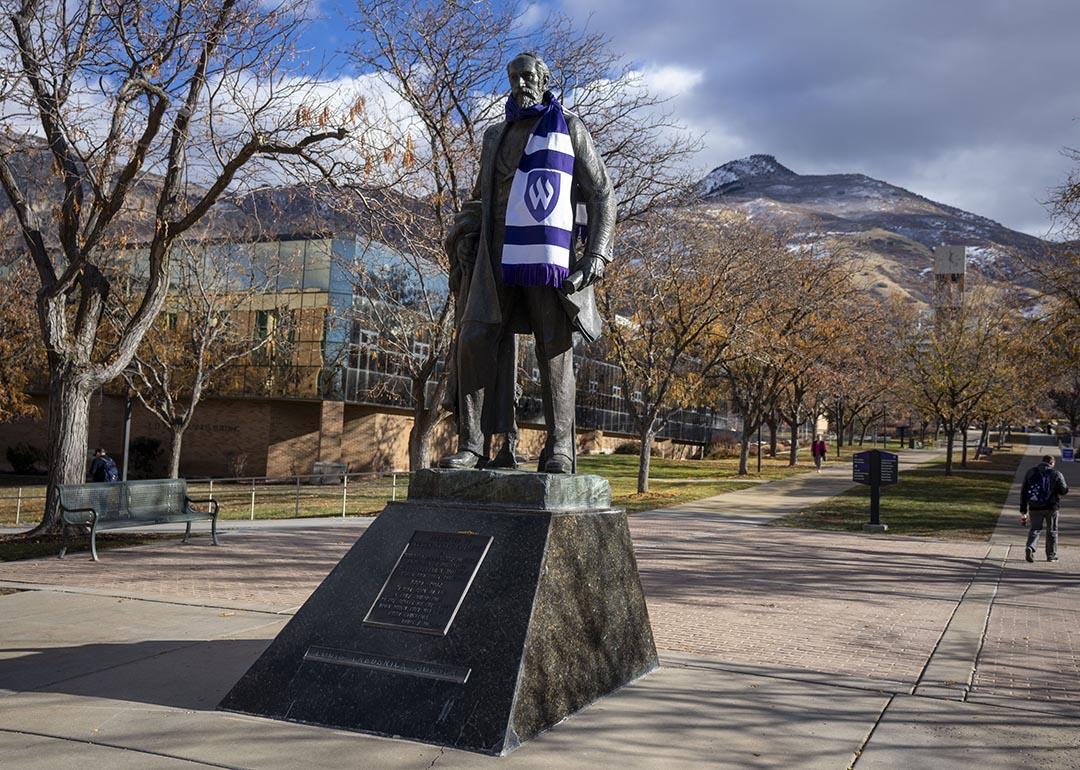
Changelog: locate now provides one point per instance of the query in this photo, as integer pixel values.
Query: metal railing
(254, 497)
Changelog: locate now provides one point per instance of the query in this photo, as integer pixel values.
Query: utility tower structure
(950, 263)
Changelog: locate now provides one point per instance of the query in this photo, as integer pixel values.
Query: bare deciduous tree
(148, 113)
(20, 351)
(815, 331)
(959, 358)
(680, 290)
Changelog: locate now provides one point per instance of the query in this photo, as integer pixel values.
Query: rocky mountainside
(892, 231)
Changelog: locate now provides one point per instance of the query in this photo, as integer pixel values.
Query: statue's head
(529, 77)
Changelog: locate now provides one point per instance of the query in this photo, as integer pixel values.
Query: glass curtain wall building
(329, 346)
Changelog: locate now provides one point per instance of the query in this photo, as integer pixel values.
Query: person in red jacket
(818, 449)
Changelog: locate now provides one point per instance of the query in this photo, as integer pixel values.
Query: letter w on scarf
(539, 215)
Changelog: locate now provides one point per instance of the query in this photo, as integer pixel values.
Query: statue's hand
(592, 269)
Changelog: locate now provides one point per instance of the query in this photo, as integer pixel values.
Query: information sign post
(877, 469)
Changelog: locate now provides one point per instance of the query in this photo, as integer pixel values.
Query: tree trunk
(964, 446)
(793, 454)
(984, 437)
(644, 460)
(69, 423)
(174, 452)
(949, 438)
(862, 434)
(839, 431)
(744, 451)
(420, 435)
(772, 436)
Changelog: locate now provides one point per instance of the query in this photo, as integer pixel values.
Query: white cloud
(966, 102)
(1007, 183)
(531, 18)
(672, 80)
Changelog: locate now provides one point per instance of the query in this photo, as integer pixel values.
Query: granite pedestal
(484, 609)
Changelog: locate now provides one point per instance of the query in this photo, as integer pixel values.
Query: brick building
(330, 392)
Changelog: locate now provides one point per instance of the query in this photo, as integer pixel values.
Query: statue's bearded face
(527, 81)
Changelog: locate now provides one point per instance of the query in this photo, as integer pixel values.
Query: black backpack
(111, 473)
(1040, 488)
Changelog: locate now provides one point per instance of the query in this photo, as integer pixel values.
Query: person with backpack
(103, 467)
(1043, 486)
(818, 448)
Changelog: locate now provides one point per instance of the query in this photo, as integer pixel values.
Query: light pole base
(875, 527)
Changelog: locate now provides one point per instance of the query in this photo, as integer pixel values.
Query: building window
(637, 396)
(593, 386)
(616, 391)
(169, 322)
(535, 373)
(362, 343)
(420, 349)
(265, 323)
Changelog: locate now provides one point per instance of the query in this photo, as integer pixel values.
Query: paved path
(781, 648)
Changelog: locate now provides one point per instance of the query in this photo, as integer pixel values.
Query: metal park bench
(113, 505)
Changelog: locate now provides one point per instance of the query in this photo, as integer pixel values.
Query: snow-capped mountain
(894, 230)
(726, 177)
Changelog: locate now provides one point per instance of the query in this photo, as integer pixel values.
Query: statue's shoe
(463, 459)
(559, 464)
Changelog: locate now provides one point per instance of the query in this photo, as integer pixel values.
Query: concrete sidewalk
(781, 648)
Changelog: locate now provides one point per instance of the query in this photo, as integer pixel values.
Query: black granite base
(464, 625)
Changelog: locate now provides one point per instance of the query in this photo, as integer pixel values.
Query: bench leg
(213, 530)
(187, 533)
(93, 541)
(63, 540)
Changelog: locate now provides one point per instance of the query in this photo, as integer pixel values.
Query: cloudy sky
(968, 102)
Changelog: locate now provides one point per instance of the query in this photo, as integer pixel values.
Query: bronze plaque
(427, 585)
(375, 662)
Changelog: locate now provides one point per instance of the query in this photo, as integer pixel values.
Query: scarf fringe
(534, 275)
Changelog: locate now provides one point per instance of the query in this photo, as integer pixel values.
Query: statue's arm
(487, 145)
(594, 190)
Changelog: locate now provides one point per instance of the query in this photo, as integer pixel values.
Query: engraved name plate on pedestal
(429, 582)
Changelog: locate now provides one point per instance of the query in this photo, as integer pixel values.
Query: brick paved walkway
(825, 602)
(1032, 644)
(274, 571)
(718, 585)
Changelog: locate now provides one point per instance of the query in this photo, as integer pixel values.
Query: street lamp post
(759, 448)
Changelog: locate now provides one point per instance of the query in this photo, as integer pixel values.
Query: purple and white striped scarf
(539, 215)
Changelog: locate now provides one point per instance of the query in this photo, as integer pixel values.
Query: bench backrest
(108, 499)
(151, 499)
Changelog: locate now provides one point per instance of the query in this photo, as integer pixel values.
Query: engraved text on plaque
(429, 582)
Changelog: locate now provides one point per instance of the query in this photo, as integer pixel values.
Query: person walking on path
(818, 448)
(1043, 487)
(103, 467)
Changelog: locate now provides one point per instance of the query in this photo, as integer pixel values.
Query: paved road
(781, 648)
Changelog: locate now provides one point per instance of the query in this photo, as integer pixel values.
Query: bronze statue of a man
(541, 187)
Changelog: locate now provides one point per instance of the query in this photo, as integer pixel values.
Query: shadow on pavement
(177, 674)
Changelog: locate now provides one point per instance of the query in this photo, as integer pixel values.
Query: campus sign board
(875, 467)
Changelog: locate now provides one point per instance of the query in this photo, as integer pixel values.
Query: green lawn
(964, 506)
(671, 482)
(1003, 461)
(677, 481)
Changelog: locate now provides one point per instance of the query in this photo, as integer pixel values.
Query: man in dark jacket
(103, 467)
(1043, 487)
